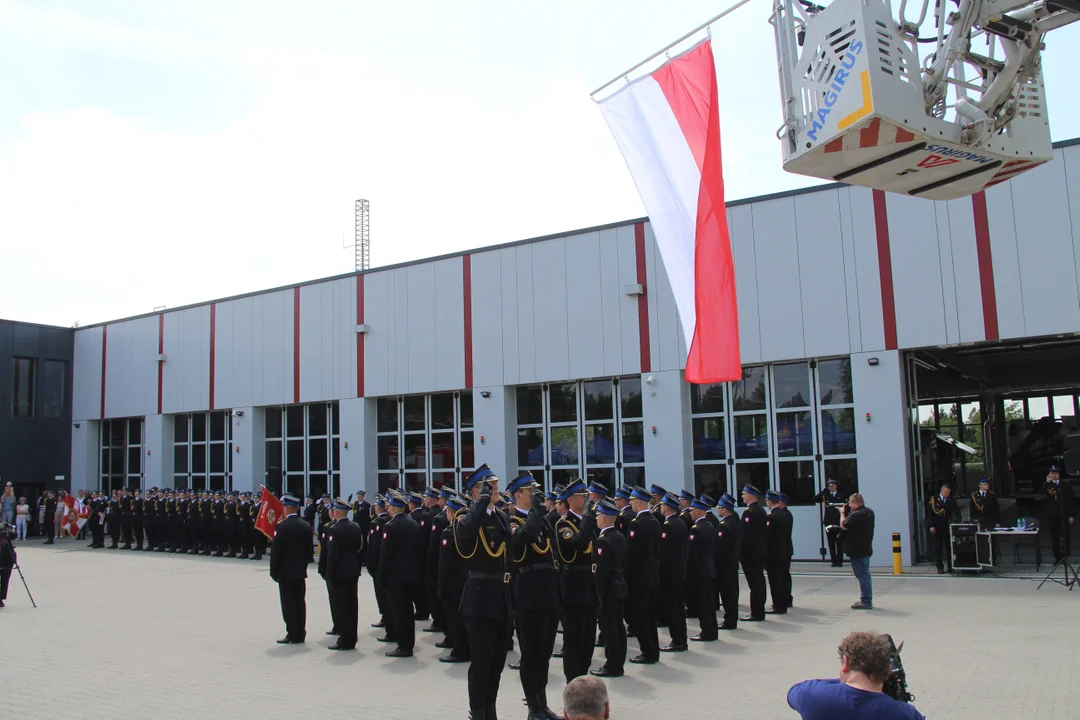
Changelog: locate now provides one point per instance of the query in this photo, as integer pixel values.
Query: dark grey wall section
(33, 451)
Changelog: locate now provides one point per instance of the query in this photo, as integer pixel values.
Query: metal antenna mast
(363, 235)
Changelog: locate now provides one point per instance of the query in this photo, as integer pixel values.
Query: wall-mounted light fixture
(77, 425)
(650, 380)
(161, 358)
(873, 362)
(238, 413)
(633, 289)
(485, 393)
(363, 328)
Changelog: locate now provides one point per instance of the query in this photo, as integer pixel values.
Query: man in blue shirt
(865, 663)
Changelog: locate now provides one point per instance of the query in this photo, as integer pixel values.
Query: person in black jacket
(576, 532)
(49, 528)
(858, 535)
(831, 500)
(985, 509)
(437, 521)
(343, 544)
(642, 578)
(324, 556)
(290, 554)
(671, 565)
(726, 549)
(754, 552)
(8, 558)
(1059, 513)
(480, 539)
(451, 584)
(626, 513)
(535, 590)
(373, 552)
(137, 503)
(611, 589)
(701, 570)
(399, 574)
(362, 516)
(941, 512)
(780, 550)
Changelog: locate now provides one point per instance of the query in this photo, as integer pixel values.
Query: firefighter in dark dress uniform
(290, 554)
(534, 589)
(125, 518)
(656, 499)
(437, 521)
(324, 532)
(780, 551)
(701, 569)
(671, 564)
(575, 534)
(399, 574)
(343, 543)
(728, 543)
(453, 572)
(114, 518)
(754, 551)
(1059, 513)
(941, 512)
(480, 539)
(611, 589)
(685, 499)
(362, 516)
(625, 512)
(985, 509)
(373, 552)
(831, 500)
(137, 514)
(642, 578)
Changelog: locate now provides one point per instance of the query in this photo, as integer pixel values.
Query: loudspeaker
(1072, 454)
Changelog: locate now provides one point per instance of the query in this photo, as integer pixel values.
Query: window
(22, 396)
(592, 430)
(55, 388)
(793, 420)
(302, 449)
(424, 440)
(837, 424)
(121, 444)
(709, 429)
(202, 451)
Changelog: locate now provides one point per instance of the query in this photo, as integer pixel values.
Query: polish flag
(667, 126)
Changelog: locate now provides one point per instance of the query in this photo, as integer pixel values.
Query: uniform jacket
(452, 569)
(727, 545)
(755, 540)
(574, 540)
(343, 544)
(940, 514)
(397, 562)
(622, 520)
(985, 508)
(610, 566)
(1060, 500)
(780, 524)
(436, 525)
(480, 540)
(324, 534)
(291, 550)
(362, 515)
(374, 551)
(830, 515)
(674, 536)
(532, 555)
(643, 537)
(700, 555)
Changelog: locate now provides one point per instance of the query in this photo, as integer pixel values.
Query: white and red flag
(667, 125)
(75, 516)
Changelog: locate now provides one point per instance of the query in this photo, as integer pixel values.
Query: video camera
(7, 530)
(896, 686)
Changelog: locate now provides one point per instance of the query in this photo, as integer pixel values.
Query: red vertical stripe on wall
(643, 300)
(359, 336)
(104, 354)
(466, 284)
(213, 350)
(986, 266)
(888, 300)
(296, 346)
(160, 365)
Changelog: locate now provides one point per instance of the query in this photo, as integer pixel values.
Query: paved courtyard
(120, 634)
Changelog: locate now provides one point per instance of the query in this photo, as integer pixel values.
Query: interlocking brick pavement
(120, 634)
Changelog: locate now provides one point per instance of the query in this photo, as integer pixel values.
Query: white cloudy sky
(168, 152)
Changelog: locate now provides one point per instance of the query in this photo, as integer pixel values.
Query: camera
(896, 686)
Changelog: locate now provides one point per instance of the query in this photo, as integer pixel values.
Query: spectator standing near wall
(857, 526)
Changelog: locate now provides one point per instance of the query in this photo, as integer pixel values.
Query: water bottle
(1022, 524)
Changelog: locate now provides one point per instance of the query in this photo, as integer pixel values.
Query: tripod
(23, 578)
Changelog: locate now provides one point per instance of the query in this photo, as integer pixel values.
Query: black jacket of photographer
(858, 533)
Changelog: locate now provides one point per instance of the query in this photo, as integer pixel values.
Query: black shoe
(420, 618)
(774, 611)
(245, 557)
(126, 547)
(940, 570)
(725, 626)
(599, 644)
(339, 646)
(630, 633)
(452, 658)
(604, 672)
(557, 654)
(751, 618)
(642, 660)
(332, 632)
(398, 652)
(50, 541)
(514, 665)
(434, 628)
(113, 547)
(1, 603)
(674, 648)
(702, 638)
(217, 554)
(387, 639)
(379, 624)
(444, 644)
(289, 641)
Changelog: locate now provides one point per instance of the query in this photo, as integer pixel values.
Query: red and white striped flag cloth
(667, 126)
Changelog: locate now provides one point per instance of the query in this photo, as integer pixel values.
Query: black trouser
(755, 578)
(260, 544)
(344, 609)
(641, 612)
(836, 547)
(456, 632)
(728, 580)
(380, 600)
(487, 645)
(438, 612)
(399, 598)
(579, 640)
(611, 627)
(536, 634)
(333, 608)
(230, 539)
(294, 607)
(137, 532)
(669, 600)
(779, 583)
(704, 597)
(5, 578)
(125, 529)
(114, 531)
(97, 535)
(939, 547)
(420, 598)
(1055, 527)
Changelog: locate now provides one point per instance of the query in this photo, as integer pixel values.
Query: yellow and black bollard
(897, 563)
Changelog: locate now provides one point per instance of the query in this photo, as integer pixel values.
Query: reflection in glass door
(424, 440)
(302, 449)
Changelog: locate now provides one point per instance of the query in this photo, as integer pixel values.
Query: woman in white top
(22, 517)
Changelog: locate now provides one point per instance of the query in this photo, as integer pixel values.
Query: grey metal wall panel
(1046, 252)
(851, 273)
(1071, 157)
(186, 376)
(275, 348)
(235, 334)
(960, 270)
(489, 301)
(629, 319)
(779, 294)
(585, 300)
(510, 292)
(420, 338)
(916, 271)
(131, 368)
(399, 353)
(1007, 285)
(328, 340)
(821, 274)
(253, 351)
(448, 353)
(86, 374)
(378, 341)
(864, 240)
(552, 348)
(669, 351)
(741, 227)
(527, 337)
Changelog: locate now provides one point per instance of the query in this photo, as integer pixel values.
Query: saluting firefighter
(611, 589)
(832, 500)
(576, 532)
(535, 590)
(780, 551)
(480, 539)
(399, 574)
(453, 573)
(290, 554)
(754, 551)
(344, 541)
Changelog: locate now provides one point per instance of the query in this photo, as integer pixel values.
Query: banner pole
(670, 45)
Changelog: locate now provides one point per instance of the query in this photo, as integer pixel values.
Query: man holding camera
(866, 662)
(857, 524)
(7, 558)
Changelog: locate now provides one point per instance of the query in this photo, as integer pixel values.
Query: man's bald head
(586, 698)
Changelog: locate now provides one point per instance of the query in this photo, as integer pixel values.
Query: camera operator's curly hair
(868, 653)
